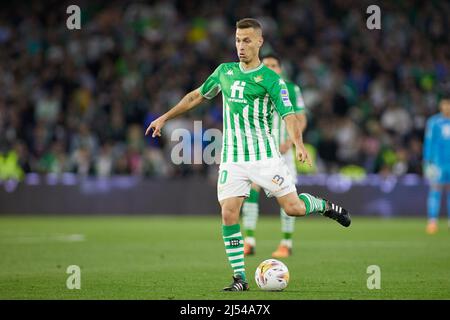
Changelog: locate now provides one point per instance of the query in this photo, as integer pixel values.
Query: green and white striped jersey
(249, 98)
(279, 126)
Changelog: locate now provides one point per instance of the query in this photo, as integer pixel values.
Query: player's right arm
(209, 89)
(189, 101)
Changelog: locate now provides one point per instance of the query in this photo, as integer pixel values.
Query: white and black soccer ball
(272, 275)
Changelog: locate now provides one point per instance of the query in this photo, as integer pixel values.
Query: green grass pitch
(174, 257)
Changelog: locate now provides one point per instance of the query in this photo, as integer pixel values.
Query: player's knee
(230, 216)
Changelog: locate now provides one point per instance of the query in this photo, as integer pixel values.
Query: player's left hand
(302, 155)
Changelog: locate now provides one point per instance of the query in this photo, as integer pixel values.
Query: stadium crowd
(80, 100)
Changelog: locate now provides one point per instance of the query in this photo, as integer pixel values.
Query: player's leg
(435, 175)
(232, 188)
(250, 214)
(273, 175)
(306, 204)
(284, 249)
(232, 236)
(433, 207)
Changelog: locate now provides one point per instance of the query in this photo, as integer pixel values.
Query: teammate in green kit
(250, 94)
(250, 208)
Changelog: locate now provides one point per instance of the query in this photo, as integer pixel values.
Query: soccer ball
(272, 275)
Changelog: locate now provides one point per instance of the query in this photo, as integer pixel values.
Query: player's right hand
(156, 126)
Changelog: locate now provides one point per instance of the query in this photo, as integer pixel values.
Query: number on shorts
(223, 176)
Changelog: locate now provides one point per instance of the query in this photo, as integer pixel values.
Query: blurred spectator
(54, 160)
(397, 120)
(81, 161)
(48, 106)
(104, 162)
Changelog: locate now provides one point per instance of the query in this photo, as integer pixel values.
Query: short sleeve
(297, 100)
(211, 87)
(279, 95)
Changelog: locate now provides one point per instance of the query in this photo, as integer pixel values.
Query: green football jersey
(249, 98)
(279, 126)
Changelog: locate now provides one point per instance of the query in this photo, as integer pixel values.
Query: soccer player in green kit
(250, 208)
(250, 93)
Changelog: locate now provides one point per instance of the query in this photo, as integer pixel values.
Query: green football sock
(287, 235)
(313, 204)
(250, 213)
(287, 224)
(234, 247)
(287, 228)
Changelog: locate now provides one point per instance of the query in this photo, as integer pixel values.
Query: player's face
(248, 42)
(445, 107)
(273, 64)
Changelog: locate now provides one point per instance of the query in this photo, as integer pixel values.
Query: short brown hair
(248, 23)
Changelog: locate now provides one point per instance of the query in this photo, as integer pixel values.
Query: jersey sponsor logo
(237, 92)
(238, 87)
(229, 73)
(258, 78)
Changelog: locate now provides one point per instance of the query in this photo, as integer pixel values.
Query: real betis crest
(258, 78)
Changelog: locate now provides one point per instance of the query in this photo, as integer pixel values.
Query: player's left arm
(295, 134)
(280, 97)
(296, 98)
(299, 106)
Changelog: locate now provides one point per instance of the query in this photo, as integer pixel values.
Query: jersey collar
(251, 70)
